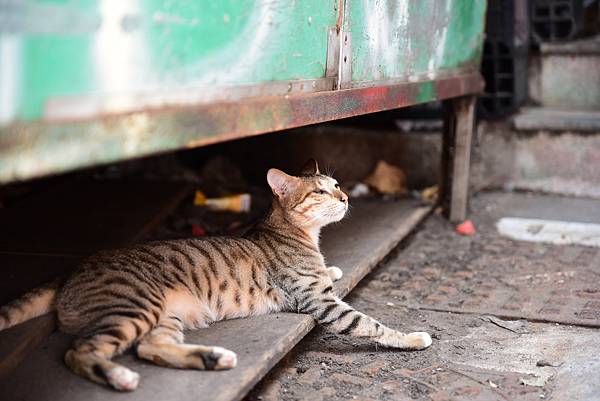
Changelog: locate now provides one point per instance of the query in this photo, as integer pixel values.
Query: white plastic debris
(359, 190)
(550, 231)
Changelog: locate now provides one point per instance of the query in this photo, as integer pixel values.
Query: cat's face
(311, 200)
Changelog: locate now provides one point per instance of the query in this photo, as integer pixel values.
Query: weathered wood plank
(456, 156)
(356, 245)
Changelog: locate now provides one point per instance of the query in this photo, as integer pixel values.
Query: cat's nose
(344, 197)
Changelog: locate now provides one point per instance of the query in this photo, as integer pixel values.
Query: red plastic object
(198, 231)
(466, 228)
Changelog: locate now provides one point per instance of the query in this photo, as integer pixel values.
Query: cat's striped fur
(148, 294)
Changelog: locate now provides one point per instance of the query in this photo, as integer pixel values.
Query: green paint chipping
(397, 39)
(423, 50)
(465, 34)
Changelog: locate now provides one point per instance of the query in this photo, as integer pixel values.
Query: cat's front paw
(411, 341)
(418, 340)
(335, 273)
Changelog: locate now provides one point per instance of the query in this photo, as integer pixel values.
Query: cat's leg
(90, 355)
(334, 273)
(164, 346)
(339, 317)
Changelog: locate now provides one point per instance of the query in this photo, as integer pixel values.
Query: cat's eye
(337, 186)
(320, 191)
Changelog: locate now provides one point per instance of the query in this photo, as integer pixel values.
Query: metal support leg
(456, 156)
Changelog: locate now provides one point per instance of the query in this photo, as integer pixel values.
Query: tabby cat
(147, 295)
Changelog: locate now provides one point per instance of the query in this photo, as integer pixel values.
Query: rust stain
(340, 20)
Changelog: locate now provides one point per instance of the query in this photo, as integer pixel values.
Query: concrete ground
(510, 320)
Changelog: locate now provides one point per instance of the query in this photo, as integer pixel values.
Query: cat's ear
(310, 168)
(281, 183)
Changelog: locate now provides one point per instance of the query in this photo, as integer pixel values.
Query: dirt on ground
(492, 306)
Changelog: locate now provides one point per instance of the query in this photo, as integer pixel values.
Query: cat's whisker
(329, 170)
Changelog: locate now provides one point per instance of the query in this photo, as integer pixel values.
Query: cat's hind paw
(411, 341)
(335, 273)
(122, 379)
(225, 359)
(418, 340)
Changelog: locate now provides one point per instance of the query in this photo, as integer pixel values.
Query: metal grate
(504, 61)
(556, 20)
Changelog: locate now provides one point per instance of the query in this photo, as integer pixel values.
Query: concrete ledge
(533, 119)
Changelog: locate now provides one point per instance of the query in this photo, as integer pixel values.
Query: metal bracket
(333, 54)
(345, 62)
(339, 65)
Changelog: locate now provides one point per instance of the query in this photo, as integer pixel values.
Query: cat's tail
(33, 304)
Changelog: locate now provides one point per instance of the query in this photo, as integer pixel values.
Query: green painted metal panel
(234, 42)
(84, 82)
(50, 49)
(61, 68)
(406, 39)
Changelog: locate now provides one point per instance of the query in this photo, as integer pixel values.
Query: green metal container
(86, 82)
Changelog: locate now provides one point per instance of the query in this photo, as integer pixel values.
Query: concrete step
(568, 75)
(557, 162)
(539, 118)
(356, 246)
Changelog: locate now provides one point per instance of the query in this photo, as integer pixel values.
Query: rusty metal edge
(35, 149)
(81, 108)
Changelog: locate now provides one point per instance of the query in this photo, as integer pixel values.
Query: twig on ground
(421, 382)
(505, 325)
(486, 385)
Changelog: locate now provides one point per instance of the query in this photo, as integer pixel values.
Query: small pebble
(543, 362)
